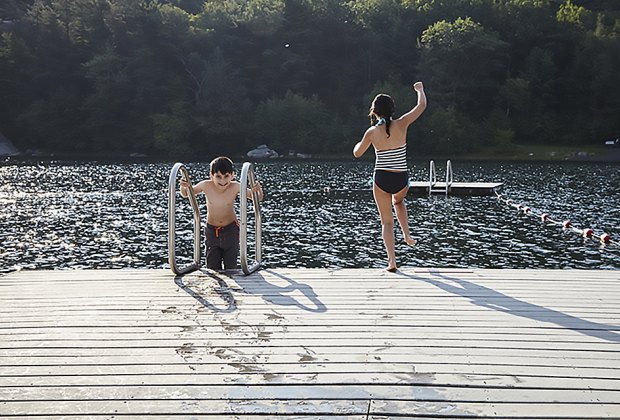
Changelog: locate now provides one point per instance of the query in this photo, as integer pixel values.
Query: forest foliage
(198, 77)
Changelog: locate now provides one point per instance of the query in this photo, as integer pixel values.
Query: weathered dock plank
(311, 343)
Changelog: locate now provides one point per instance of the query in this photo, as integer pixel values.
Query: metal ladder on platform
(432, 179)
(247, 181)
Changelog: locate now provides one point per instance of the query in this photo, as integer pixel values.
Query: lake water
(57, 214)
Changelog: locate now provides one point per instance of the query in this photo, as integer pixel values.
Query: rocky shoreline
(7, 148)
(607, 154)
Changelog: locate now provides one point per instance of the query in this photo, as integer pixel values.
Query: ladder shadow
(222, 290)
(492, 299)
(257, 284)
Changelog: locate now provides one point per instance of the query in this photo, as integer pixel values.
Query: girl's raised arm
(413, 115)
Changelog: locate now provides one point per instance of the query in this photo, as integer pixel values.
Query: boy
(222, 232)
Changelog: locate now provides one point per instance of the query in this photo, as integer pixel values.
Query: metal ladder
(172, 195)
(432, 179)
(247, 181)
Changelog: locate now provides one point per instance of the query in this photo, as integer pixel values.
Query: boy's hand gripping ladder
(172, 191)
(247, 182)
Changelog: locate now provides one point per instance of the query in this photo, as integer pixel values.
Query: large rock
(262, 152)
(7, 148)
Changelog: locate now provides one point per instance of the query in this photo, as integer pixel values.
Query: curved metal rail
(172, 193)
(432, 181)
(432, 177)
(248, 181)
(449, 176)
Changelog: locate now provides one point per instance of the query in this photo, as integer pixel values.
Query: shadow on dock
(491, 299)
(222, 290)
(257, 284)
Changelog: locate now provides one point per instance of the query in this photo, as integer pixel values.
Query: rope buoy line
(587, 233)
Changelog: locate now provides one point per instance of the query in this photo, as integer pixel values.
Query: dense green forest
(223, 76)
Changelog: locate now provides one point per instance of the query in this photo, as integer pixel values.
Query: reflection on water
(96, 215)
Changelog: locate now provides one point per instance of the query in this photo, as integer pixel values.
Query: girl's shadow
(492, 299)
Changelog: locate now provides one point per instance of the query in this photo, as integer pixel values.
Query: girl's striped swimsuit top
(392, 159)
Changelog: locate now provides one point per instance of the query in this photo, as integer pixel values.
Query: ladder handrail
(172, 184)
(448, 175)
(248, 181)
(432, 177)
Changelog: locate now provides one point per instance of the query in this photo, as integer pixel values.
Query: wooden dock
(311, 343)
(420, 188)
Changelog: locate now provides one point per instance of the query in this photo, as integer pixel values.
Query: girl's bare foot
(410, 241)
(391, 266)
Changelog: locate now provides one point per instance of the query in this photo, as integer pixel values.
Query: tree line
(197, 77)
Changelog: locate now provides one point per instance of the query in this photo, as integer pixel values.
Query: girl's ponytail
(382, 108)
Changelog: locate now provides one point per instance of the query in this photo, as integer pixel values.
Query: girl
(391, 181)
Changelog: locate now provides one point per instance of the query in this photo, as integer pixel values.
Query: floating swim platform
(455, 188)
(449, 187)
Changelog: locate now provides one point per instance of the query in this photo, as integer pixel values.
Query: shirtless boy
(222, 232)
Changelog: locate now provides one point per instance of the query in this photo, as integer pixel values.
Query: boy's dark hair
(222, 165)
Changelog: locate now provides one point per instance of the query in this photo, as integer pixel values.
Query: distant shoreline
(521, 153)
